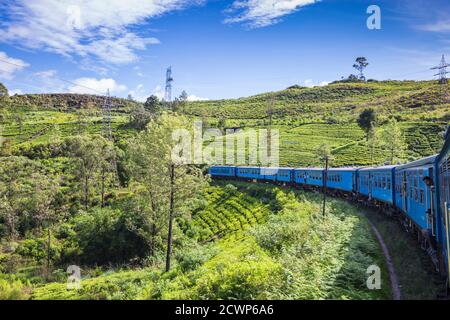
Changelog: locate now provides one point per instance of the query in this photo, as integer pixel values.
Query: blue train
(419, 192)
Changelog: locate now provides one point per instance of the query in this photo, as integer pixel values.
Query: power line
(442, 73)
(59, 78)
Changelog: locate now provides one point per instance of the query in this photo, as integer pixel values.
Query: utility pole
(171, 214)
(325, 178)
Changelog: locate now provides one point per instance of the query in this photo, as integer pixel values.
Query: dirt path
(395, 288)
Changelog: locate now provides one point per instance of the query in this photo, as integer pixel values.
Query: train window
(389, 183)
(422, 196)
(416, 195)
(384, 183)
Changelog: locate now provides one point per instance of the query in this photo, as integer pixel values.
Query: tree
(27, 191)
(3, 91)
(366, 120)
(152, 104)
(182, 101)
(172, 188)
(393, 140)
(360, 65)
(93, 169)
(139, 117)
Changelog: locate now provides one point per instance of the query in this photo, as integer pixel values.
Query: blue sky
(217, 49)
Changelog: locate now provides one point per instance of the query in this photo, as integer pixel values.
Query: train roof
(424, 162)
(389, 167)
(343, 169)
(311, 169)
(222, 166)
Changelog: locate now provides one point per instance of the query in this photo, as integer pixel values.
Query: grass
(295, 253)
(416, 274)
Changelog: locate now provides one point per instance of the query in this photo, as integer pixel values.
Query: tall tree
(27, 191)
(393, 140)
(360, 65)
(93, 167)
(182, 101)
(3, 91)
(152, 104)
(172, 188)
(366, 120)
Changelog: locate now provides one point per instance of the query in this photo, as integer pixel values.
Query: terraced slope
(305, 118)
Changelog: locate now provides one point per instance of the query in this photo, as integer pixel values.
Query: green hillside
(70, 196)
(305, 118)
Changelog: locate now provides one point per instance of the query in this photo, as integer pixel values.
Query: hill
(305, 118)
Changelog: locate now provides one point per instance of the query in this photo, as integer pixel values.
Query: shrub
(103, 236)
(12, 289)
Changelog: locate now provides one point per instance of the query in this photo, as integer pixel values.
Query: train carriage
(249, 173)
(442, 178)
(309, 176)
(377, 183)
(277, 174)
(341, 179)
(222, 171)
(413, 193)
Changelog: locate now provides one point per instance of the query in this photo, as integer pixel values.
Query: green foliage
(3, 91)
(13, 289)
(152, 104)
(286, 228)
(228, 211)
(367, 119)
(103, 236)
(27, 191)
(116, 286)
(393, 140)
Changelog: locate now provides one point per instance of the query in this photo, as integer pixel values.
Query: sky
(217, 49)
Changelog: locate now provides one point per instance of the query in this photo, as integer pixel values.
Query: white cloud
(85, 28)
(139, 93)
(94, 86)
(15, 91)
(46, 74)
(440, 26)
(159, 92)
(311, 83)
(261, 13)
(193, 97)
(9, 66)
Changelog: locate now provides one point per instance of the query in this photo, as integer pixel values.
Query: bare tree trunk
(103, 186)
(86, 190)
(171, 209)
(48, 252)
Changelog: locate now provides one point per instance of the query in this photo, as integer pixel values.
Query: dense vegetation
(296, 254)
(143, 227)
